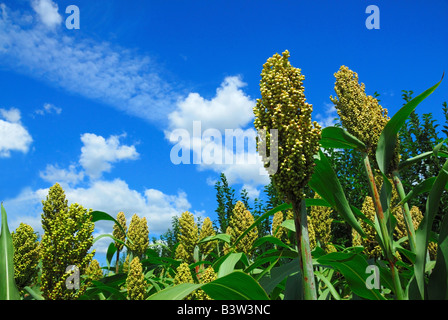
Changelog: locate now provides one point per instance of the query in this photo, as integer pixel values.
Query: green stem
(407, 214)
(397, 284)
(386, 239)
(303, 243)
(378, 207)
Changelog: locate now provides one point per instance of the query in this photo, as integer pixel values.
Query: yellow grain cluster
(117, 232)
(135, 281)
(277, 230)
(138, 235)
(319, 227)
(360, 114)
(283, 107)
(26, 255)
(240, 221)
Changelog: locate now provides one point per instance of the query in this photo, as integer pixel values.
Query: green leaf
(100, 215)
(8, 288)
(388, 138)
(110, 253)
(409, 162)
(336, 137)
(289, 224)
(284, 206)
(278, 274)
(228, 265)
(271, 239)
(422, 187)
(317, 203)
(438, 281)
(33, 293)
(424, 229)
(326, 183)
(177, 292)
(235, 286)
(221, 236)
(353, 267)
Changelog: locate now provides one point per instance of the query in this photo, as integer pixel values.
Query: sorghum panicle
(283, 107)
(26, 255)
(135, 281)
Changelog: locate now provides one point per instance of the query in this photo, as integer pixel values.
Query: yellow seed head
(283, 107)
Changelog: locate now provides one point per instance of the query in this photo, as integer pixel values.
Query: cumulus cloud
(231, 108)
(47, 12)
(13, 135)
(98, 154)
(215, 135)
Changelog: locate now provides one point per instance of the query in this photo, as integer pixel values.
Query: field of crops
(359, 213)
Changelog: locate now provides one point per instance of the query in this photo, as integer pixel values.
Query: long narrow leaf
(438, 281)
(337, 137)
(424, 229)
(353, 267)
(388, 138)
(8, 288)
(326, 183)
(267, 214)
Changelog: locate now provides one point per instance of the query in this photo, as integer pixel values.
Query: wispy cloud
(327, 119)
(47, 11)
(105, 73)
(48, 108)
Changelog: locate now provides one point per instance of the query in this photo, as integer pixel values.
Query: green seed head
(283, 107)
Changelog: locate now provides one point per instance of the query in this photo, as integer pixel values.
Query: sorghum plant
(207, 231)
(138, 236)
(66, 242)
(240, 220)
(26, 255)
(283, 107)
(135, 282)
(188, 237)
(119, 233)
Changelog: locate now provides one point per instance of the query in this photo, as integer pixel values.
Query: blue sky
(92, 108)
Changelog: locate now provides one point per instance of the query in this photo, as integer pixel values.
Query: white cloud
(115, 76)
(11, 115)
(231, 108)
(252, 192)
(47, 11)
(13, 135)
(70, 176)
(328, 118)
(98, 153)
(48, 108)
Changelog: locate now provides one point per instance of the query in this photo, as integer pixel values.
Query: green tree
(225, 196)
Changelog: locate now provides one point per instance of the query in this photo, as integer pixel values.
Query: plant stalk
(303, 243)
(407, 214)
(378, 207)
(387, 240)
